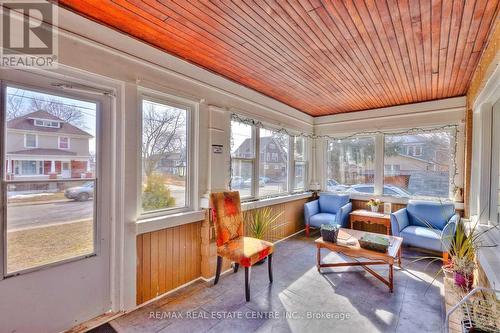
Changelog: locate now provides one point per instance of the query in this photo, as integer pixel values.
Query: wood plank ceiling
(321, 57)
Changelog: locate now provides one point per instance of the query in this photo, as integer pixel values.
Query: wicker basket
(329, 232)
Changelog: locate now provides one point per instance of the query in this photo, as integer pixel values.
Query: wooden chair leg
(235, 267)
(270, 267)
(307, 230)
(445, 257)
(217, 271)
(247, 283)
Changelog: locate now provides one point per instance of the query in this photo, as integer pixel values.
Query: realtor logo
(28, 37)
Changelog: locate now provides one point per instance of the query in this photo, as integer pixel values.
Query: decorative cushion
(245, 250)
(322, 218)
(331, 203)
(227, 216)
(422, 237)
(424, 213)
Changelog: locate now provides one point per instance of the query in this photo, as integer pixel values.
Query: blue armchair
(328, 209)
(426, 224)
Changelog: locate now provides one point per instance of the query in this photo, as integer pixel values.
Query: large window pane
(299, 181)
(418, 165)
(49, 191)
(242, 144)
(242, 158)
(164, 156)
(241, 179)
(273, 168)
(350, 165)
(48, 222)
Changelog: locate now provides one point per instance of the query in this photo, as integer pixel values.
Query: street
(22, 216)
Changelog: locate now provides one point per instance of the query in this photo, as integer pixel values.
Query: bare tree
(161, 135)
(21, 102)
(69, 113)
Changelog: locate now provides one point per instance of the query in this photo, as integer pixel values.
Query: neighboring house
(42, 146)
(173, 163)
(273, 158)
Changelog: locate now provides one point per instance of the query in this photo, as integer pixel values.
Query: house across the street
(43, 146)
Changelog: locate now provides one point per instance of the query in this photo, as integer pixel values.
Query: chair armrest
(399, 221)
(343, 215)
(449, 231)
(310, 208)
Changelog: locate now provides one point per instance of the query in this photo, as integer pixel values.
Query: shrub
(156, 194)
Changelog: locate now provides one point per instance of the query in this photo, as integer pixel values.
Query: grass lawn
(39, 198)
(43, 245)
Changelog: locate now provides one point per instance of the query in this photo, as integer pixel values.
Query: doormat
(105, 328)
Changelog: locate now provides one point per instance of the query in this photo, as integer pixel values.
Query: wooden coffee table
(392, 255)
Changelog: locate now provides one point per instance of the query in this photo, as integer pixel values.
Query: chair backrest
(227, 216)
(331, 203)
(424, 213)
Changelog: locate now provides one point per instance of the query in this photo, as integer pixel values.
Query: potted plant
(260, 222)
(374, 204)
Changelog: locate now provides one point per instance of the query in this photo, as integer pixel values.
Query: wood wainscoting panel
(167, 259)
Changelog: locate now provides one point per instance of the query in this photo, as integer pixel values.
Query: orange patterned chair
(231, 244)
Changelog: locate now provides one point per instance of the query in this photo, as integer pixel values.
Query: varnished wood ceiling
(321, 57)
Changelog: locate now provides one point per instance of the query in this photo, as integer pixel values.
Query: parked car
(265, 179)
(80, 193)
(333, 186)
(248, 182)
(388, 190)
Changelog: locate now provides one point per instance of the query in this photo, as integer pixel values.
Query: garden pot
(374, 209)
(463, 281)
(448, 271)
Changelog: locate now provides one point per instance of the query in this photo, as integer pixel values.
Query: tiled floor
(354, 300)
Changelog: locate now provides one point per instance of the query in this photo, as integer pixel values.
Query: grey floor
(300, 299)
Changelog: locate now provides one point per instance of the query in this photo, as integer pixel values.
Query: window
(351, 165)
(242, 158)
(266, 173)
(46, 221)
(426, 172)
(273, 179)
(165, 161)
(63, 142)
(47, 123)
(30, 140)
(299, 146)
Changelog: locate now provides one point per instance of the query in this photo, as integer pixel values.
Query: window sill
(394, 199)
(274, 201)
(489, 257)
(168, 221)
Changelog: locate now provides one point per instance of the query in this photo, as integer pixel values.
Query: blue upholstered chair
(328, 209)
(426, 224)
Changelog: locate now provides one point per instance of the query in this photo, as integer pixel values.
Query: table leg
(400, 252)
(318, 259)
(391, 277)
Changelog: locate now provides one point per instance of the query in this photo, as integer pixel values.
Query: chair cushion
(322, 218)
(422, 237)
(245, 250)
(422, 213)
(331, 203)
(227, 216)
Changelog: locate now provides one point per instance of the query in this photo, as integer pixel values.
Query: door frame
(113, 136)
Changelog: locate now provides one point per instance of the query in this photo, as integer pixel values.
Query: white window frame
(47, 123)
(379, 172)
(291, 189)
(191, 108)
(59, 142)
(42, 87)
(26, 140)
